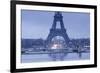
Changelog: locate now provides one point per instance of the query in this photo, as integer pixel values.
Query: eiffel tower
(57, 31)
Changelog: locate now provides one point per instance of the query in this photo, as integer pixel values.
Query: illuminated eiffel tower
(57, 31)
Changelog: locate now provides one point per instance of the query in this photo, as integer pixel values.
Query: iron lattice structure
(57, 31)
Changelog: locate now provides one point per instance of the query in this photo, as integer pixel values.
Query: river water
(29, 58)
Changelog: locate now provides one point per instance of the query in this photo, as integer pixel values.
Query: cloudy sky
(37, 24)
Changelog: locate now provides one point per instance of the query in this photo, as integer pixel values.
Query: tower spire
(58, 18)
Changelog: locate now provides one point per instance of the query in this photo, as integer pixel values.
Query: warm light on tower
(54, 46)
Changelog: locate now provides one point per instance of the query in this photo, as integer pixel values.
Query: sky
(37, 24)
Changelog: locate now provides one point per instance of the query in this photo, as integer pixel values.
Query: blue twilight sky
(37, 24)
